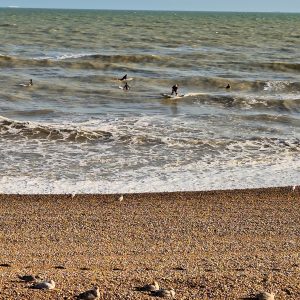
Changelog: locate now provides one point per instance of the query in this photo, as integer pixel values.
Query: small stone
(154, 286)
(265, 296)
(165, 293)
(27, 278)
(90, 294)
(288, 291)
(44, 285)
(5, 265)
(59, 267)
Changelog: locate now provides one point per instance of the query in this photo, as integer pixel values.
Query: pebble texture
(205, 245)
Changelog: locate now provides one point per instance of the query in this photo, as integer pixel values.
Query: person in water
(126, 87)
(175, 90)
(30, 83)
(228, 86)
(123, 78)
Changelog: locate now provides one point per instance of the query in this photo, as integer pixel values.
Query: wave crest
(78, 61)
(16, 129)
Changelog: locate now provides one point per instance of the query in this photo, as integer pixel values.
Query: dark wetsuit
(126, 87)
(174, 90)
(124, 77)
(228, 86)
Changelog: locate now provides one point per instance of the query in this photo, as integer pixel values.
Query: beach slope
(205, 245)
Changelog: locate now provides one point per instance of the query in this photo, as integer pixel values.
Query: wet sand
(206, 245)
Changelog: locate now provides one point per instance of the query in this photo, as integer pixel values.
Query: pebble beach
(205, 245)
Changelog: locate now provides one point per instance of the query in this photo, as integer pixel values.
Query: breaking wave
(30, 130)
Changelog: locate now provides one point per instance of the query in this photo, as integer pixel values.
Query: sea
(75, 130)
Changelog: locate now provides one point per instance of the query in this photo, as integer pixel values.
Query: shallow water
(75, 130)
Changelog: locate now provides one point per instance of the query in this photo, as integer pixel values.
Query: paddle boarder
(123, 78)
(126, 87)
(175, 90)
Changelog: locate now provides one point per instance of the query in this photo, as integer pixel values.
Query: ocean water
(76, 131)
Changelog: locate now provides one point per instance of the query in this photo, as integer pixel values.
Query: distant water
(75, 130)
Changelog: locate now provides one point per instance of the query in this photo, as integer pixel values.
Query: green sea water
(75, 129)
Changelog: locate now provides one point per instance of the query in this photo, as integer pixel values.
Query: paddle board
(128, 79)
(25, 84)
(168, 96)
(122, 88)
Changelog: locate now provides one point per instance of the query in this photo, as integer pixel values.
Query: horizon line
(154, 10)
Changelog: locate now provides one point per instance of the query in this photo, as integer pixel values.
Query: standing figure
(175, 90)
(126, 87)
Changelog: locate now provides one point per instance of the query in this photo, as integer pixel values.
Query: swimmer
(228, 86)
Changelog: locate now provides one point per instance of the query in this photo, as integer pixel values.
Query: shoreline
(216, 245)
(285, 188)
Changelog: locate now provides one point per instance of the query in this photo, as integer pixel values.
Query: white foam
(65, 56)
(174, 178)
(275, 86)
(146, 154)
